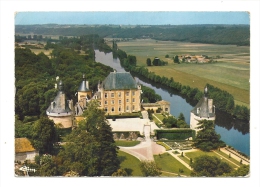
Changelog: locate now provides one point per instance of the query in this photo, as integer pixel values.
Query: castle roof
(202, 107)
(119, 81)
(23, 145)
(83, 87)
(59, 104)
(163, 102)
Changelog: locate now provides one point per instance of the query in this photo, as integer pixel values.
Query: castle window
(133, 100)
(112, 102)
(112, 109)
(133, 92)
(119, 109)
(106, 109)
(105, 95)
(127, 100)
(119, 101)
(127, 108)
(119, 94)
(112, 94)
(133, 107)
(105, 102)
(127, 93)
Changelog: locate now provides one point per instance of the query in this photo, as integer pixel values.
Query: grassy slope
(230, 73)
(168, 163)
(195, 154)
(127, 143)
(130, 163)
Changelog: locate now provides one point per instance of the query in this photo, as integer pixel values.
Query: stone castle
(118, 93)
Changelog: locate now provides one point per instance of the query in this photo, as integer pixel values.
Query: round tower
(203, 110)
(60, 109)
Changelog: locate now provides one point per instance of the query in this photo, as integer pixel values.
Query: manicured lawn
(126, 143)
(168, 163)
(226, 156)
(185, 159)
(130, 164)
(198, 153)
(159, 116)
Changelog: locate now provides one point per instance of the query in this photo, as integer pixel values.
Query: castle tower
(203, 110)
(84, 93)
(60, 109)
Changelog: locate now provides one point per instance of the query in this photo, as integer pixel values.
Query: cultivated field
(231, 72)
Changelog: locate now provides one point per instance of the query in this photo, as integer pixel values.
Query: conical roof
(59, 104)
(202, 107)
(83, 87)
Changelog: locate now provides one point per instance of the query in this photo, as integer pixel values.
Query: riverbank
(179, 104)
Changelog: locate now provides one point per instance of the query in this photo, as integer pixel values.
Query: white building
(203, 110)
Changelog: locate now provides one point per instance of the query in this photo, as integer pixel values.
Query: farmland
(229, 72)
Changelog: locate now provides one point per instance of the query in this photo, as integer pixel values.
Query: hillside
(211, 34)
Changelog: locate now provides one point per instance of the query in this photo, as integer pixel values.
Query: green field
(168, 163)
(130, 164)
(199, 153)
(231, 72)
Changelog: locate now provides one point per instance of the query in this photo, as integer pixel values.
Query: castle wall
(194, 120)
(115, 102)
(66, 121)
(82, 98)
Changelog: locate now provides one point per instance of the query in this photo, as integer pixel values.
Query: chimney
(52, 105)
(62, 101)
(87, 86)
(210, 105)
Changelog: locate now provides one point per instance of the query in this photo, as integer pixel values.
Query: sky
(133, 17)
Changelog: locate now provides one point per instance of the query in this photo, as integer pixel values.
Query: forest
(211, 34)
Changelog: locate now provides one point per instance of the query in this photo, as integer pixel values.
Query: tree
(22, 130)
(170, 122)
(156, 61)
(241, 171)
(150, 168)
(47, 166)
(120, 173)
(80, 153)
(176, 59)
(44, 135)
(108, 160)
(91, 147)
(148, 62)
(209, 166)
(131, 60)
(207, 139)
(181, 117)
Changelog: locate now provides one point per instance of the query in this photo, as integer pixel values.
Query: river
(233, 132)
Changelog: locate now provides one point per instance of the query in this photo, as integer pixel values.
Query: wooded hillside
(213, 34)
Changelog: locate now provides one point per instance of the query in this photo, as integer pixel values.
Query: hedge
(175, 134)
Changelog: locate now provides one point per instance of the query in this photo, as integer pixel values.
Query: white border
(7, 9)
